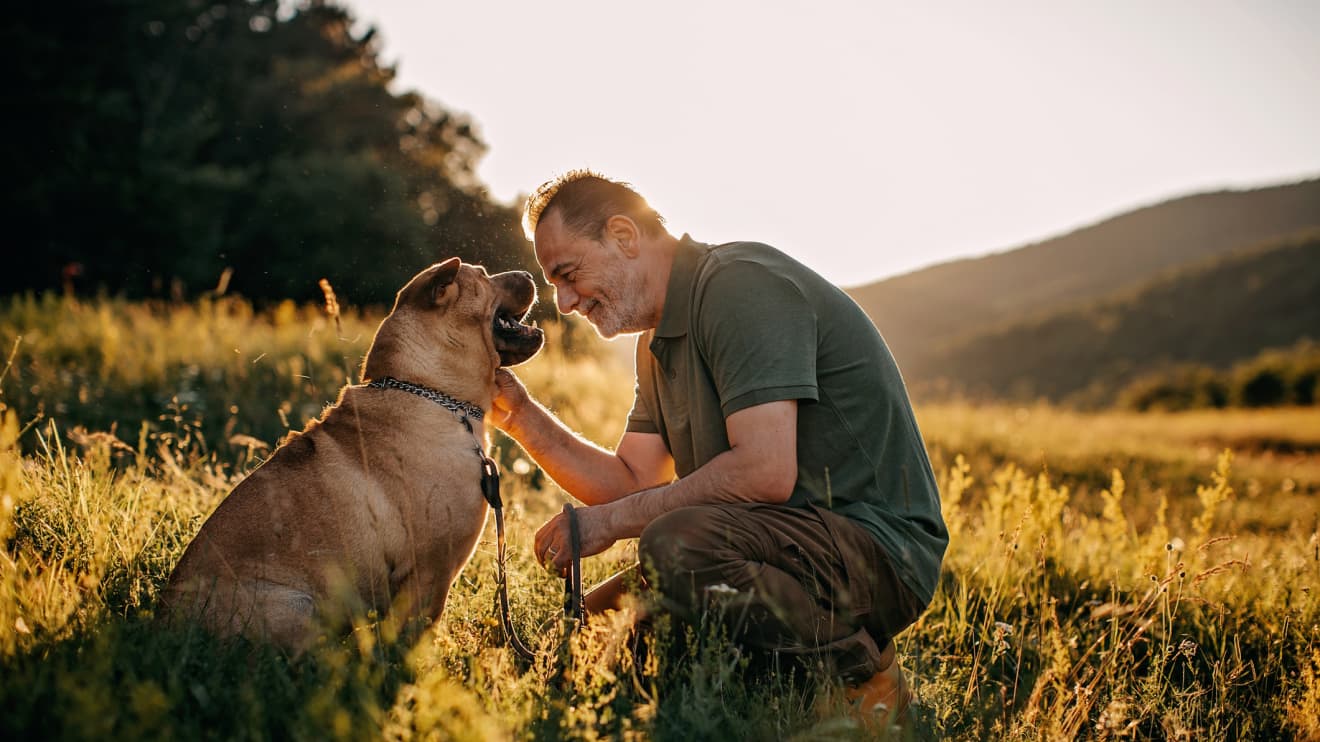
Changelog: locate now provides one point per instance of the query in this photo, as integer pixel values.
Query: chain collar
(440, 398)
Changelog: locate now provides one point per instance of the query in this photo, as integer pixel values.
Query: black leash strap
(490, 487)
(573, 608)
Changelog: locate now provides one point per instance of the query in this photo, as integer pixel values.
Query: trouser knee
(673, 550)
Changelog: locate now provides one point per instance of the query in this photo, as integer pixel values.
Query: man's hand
(510, 398)
(554, 548)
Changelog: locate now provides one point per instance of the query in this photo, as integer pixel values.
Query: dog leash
(490, 488)
(574, 611)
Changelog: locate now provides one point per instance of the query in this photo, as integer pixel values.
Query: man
(802, 480)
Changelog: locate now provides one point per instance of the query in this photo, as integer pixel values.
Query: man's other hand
(554, 548)
(510, 398)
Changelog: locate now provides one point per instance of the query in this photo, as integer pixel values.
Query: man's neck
(661, 252)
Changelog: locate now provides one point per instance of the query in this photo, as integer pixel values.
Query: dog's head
(455, 318)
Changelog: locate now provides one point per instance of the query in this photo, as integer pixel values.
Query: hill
(927, 315)
(1213, 313)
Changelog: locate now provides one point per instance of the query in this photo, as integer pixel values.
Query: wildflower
(1175, 545)
(1004, 628)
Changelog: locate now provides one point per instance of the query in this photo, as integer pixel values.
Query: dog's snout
(524, 283)
(518, 288)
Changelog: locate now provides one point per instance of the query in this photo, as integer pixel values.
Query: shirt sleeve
(639, 420)
(757, 332)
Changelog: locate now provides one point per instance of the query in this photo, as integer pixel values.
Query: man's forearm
(733, 476)
(584, 470)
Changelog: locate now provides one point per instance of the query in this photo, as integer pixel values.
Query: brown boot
(884, 696)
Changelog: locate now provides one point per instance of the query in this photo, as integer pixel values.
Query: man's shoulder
(747, 261)
(748, 251)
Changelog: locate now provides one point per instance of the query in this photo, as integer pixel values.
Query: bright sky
(871, 138)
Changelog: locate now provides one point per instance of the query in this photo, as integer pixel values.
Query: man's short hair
(585, 200)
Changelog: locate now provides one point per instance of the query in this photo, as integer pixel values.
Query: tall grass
(1152, 600)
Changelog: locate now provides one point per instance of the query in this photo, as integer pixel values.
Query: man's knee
(674, 542)
(674, 550)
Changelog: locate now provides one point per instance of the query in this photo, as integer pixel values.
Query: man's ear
(625, 233)
(444, 276)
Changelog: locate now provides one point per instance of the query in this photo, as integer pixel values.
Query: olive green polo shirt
(744, 324)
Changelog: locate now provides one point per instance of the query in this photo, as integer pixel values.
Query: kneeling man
(771, 448)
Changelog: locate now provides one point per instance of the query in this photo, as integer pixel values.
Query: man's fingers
(551, 545)
(547, 543)
(544, 537)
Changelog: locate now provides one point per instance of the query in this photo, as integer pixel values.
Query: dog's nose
(517, 284)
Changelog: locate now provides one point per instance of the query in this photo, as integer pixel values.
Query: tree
(170, 140)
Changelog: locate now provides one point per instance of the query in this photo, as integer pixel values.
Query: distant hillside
(1214, 313)
(927, 315)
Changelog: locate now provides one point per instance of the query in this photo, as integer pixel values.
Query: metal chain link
(440, 398)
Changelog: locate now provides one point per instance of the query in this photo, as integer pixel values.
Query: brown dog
(377, 505)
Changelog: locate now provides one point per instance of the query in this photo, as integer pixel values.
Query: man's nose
(565, 299)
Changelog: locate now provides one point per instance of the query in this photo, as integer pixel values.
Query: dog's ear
(443, 278)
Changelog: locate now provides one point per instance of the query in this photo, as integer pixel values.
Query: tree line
(1275, 377)
(167, 148)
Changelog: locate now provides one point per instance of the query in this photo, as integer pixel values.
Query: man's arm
(760, 466)
(583, 469)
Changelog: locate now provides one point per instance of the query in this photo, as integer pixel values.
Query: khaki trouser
(811, 586)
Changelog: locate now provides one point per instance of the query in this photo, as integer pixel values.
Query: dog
(376, 506)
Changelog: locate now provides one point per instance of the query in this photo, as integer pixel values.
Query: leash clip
(490, 482)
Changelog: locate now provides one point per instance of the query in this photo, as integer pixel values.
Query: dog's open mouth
(515, 341)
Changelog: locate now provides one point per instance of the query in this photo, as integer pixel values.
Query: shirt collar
(678, 295)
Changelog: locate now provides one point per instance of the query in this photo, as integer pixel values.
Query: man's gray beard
(613, 324)
(616, 319)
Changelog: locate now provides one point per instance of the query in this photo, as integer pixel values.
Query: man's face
(591, 277)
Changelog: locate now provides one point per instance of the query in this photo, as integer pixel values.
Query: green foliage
(168, 141)
(1263, 388)
(1182, 388)
(216, 366)
(1278, 376)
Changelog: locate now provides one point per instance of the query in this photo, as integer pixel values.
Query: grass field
(1110, 575)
